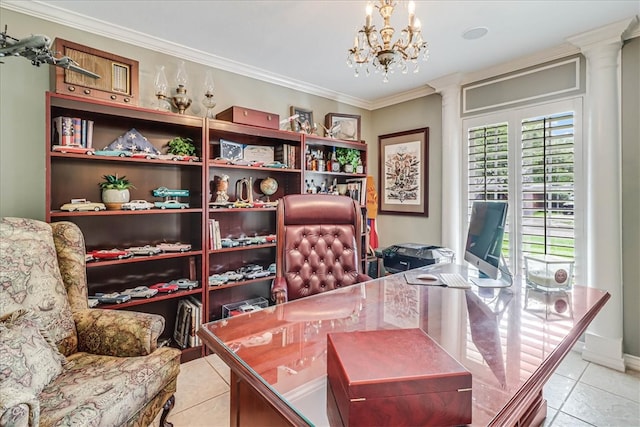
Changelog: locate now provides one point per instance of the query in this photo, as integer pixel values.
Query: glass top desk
(511, 340)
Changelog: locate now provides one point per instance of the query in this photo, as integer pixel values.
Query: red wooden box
(247, 116)
(395, 377)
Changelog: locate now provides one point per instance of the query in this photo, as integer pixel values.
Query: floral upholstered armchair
(62, 363)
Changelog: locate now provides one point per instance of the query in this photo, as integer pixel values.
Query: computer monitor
(484, 241)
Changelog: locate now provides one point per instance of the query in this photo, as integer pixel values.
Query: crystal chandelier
(377, 47)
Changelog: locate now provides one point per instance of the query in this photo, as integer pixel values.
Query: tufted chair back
(318, 245)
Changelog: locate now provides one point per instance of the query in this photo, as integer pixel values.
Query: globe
(269, 186)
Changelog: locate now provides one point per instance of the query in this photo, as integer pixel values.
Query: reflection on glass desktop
(484, 244)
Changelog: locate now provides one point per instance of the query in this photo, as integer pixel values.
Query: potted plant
(115, 191)
(181, 146)
(348, 158)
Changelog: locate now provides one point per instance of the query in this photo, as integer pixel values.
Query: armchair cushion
(28, 362)
(31, 279)
(104, 390)
(117, 333)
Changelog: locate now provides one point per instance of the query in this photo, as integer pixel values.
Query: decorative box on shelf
(548, 272)
(247, 116)
(394, 377)
(242, 307)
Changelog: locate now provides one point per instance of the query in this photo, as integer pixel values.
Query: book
(77, 131)
(216, 233)
(89, 133)
(183, 324)
(197, 319)
(63, 131)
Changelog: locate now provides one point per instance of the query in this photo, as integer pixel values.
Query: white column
(603, 146)
(449, 89)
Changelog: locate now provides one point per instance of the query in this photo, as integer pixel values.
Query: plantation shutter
(547, 186)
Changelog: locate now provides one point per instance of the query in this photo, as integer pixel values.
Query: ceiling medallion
(376, 48)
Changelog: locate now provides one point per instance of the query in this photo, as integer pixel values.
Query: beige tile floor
(578, 394)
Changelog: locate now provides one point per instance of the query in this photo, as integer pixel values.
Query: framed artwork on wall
(303, 116)
(404, 173)
(348, 126)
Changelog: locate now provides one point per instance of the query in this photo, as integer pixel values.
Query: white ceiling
(303, 44)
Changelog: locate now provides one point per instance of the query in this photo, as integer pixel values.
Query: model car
(110, 254)
(249, 268)
(185, 283)
(228, 243)
(166, 192)
(272, 268)
(112, 298)
(218, 279)
(140, 292)
(143, 155)
(276, 164)
(174, 247)
(144, 250)
(257, 274)
(221, 161)
(186, 158)
(171, 204)
(73, 149)
(258, 240)
(113, 153)
(173, 157)
(233, 275)
(137, 204)
(164, 287)
(85, 205)
(270, 238)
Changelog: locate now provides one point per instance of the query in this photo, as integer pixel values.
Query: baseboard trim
(604, 351)
(632, 362)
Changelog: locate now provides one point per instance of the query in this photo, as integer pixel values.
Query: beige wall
(419, 113)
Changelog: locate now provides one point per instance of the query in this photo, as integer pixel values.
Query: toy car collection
(164, 287)
(166, 192)
(110, 254)
(218, 279)
(112, 298)
(137, 205)
(73, 149)
(185, 283)
(144, 250)
(83, 205)
(171, 204)
(174, 247)
(140, 292)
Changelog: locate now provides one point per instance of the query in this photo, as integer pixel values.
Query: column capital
(612, 34)
(444, 85)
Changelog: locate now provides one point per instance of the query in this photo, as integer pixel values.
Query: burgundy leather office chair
(319, 245)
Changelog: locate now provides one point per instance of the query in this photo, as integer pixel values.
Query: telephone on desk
(407, 256)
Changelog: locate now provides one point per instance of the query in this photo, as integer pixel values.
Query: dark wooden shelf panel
(236, 210)
(241, 283)
(156, 298)
(253, 168)
(243, 248)
(154, 211)
(155, 162)
(142, 258)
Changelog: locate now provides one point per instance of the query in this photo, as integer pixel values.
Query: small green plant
(181, 146)
(114, 182)
(348, 156)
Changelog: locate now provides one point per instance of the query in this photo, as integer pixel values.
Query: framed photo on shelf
(349, 125)
(303, 116)
(404, 172)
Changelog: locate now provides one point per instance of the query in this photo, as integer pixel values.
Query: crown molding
(95, 26)
(615, 32)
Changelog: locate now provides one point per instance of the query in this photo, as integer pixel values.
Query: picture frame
(350, 129)
(404, 173)
(304, 115)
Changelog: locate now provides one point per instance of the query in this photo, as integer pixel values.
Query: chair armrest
(117, 333)
(279, 290)
(363, 277)
(18, 407)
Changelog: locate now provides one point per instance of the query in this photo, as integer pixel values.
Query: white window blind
(547, 187)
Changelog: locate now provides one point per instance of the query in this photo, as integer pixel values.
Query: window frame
(514, 118)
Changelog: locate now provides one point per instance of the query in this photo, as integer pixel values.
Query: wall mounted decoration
(404, 172)
(304, 116)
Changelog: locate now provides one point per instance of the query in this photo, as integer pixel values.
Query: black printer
(406, 256)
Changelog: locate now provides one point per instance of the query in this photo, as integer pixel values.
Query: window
(531, 158)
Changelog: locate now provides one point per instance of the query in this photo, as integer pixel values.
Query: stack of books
(72, 131)
(214, 235)
(287, 154)
(188, 320)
